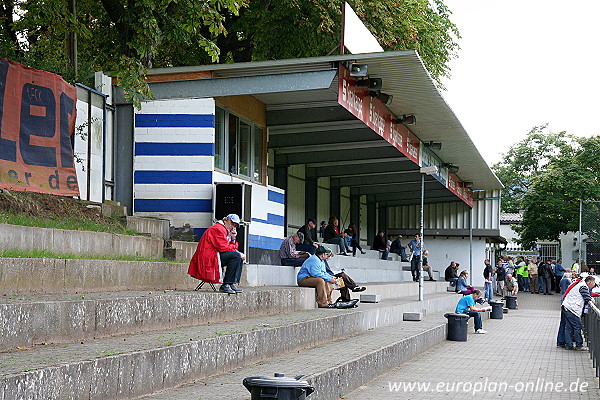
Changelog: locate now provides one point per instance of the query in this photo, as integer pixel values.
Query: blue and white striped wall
(174, 171)
(173, 161)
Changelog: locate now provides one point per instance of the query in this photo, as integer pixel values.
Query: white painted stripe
(175, 135)
(173, 163)
(172, 191)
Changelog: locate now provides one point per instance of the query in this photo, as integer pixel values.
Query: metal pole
(471, 247)
(421, 234)
(579, 233)
(343, 27)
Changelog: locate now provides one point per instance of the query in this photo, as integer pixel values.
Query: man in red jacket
(218, 248)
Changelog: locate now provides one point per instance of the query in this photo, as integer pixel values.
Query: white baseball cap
(234, 218)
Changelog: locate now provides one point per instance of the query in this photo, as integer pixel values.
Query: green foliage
(130, 36)
(551, 201)
(281, 29)
(527, 158)
(16, 253)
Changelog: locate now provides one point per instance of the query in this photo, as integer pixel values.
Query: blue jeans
(526, 283)
(293, 262)
(488, 290)
(560, 337)
(542, 284)
(477, 319)
(414, 267)
(309, 248)
(572, 330)
(233, 261)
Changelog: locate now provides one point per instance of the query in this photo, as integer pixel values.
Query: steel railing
(591, 330)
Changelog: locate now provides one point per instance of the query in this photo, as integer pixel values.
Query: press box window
(239, 146)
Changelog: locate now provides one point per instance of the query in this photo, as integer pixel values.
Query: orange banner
(37, 122)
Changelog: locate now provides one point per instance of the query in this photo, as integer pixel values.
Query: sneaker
(226, 288)
(431, 279)
(560, 345)
(363, 252)
(235, 289)
(480, 331)
(329, 306)
(582, 348)
(359, 289)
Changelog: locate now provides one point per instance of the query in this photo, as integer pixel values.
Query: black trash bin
(457, 327)
(278, 387)
(511, 302)
(497, 307)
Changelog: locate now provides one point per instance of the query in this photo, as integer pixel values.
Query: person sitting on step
(289, 255)
(466, 305)
(462, 286)
(216, 250)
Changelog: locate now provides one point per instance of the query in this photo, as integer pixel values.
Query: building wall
(444, 250)
(174, 171)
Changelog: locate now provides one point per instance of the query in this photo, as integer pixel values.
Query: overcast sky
(525, 63)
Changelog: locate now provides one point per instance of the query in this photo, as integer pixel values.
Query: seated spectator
(380, 244)
(308, 244)
(333, 236)
(316, 273)
(462, 286)
(322, 229)
(512, 285)
(427, 267)
(450, 274)
(466, 305)
(215, 250)
(397, 248)
(352, 232)
(288, 252)
(349, 283)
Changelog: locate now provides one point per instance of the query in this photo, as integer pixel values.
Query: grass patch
(111, 225)
(14, 253)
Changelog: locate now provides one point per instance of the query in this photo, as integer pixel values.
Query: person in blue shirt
(416, 246)
(313, 273)
(466, 305)
(559, 271)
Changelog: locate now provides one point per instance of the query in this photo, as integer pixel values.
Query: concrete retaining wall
(51, 275)
(24, 324)
(156, 227)
(184, 250)
(149, 371)
(78, 242)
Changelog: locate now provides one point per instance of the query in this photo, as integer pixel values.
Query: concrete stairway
(98, 329)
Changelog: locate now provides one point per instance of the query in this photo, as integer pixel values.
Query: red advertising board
(376, 116)
(37, 122)
(456, 186)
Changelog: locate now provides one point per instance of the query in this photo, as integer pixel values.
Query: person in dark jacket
(333, 236)
(352, 232)
(308, 245)
(547, 274)
(397, 248)
(380, 244)
(450, 274)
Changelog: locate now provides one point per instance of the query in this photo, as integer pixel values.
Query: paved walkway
(516, 359)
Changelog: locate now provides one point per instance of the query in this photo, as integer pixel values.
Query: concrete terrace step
(140, 364)
(26, 320)
(334, 369)
(53, 275)
(29, 320)
(78, 242)
(361, 270)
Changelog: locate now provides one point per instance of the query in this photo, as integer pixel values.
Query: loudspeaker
(233, 198)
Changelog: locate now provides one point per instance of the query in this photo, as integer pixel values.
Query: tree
(277, 29)
(123, 35)
(551, 203)
(525, 160)
(129, 36)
